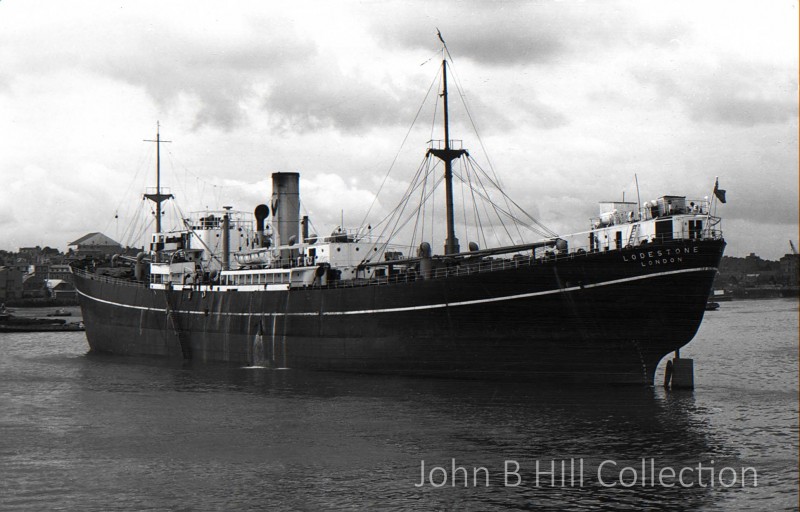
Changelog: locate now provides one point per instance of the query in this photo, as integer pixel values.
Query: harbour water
(87, 432)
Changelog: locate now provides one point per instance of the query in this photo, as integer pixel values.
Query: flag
(718, 192)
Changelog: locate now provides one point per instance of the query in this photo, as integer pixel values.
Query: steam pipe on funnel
(261, 213)
(226, 238)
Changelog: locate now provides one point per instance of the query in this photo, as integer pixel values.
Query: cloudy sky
(571, 99)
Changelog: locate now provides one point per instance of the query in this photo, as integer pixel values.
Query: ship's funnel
(286, 206)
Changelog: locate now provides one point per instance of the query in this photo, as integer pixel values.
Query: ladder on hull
(186, 346)
(634, 233)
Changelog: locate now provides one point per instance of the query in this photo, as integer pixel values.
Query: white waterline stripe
(418, 308)
(519, 296)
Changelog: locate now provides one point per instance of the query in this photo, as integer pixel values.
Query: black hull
(599, 317)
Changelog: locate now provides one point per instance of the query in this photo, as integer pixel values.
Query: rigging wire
(397, 155)
(476, 212)
(496, 180)
(494, 206)
(435, 106)
(146, 225)
(500, 210)
(422, 217)
(472, 176)
(541, 226)
(124, 195)
(416, 212)
(433, 208)
(397, 213)
(386, 221)
(389, 216)
(464, 101)
(464, 205)
(217, 190)
(469, 176)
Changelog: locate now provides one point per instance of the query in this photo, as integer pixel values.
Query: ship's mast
(158, 197)
(447, 155)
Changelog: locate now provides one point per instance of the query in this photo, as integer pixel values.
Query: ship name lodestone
(660, 256)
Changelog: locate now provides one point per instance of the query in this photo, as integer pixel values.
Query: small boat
(60, 312)
(712, 306)
(13, 323)
(41, 327)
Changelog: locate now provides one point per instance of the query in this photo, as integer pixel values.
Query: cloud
(48, 213)
(322, 96)
(571, 98)
(216, 69)
(543, 32)
(734, 107)
(745, 236)
(726, 92)
(543, 115)
(219, 74)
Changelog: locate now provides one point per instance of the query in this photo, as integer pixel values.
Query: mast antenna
(158, 197)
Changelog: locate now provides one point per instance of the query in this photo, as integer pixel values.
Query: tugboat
(601, 306)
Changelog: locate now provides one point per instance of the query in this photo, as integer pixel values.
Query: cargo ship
(601, 306)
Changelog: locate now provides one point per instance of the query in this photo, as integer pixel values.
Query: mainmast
(158, 197)
(447, 155)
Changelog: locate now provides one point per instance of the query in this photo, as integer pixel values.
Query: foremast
(158, 197)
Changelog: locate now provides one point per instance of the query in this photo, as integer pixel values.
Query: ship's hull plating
(600, 317)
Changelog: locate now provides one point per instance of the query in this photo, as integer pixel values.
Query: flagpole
(714, 196)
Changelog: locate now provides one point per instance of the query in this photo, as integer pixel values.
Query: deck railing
(465, 267)
(494, 265)
(108, 279)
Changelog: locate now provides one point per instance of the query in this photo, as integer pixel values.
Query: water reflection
(106, 432)
(378, 429)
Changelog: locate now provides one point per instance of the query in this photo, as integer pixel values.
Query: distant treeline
(751, 270)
